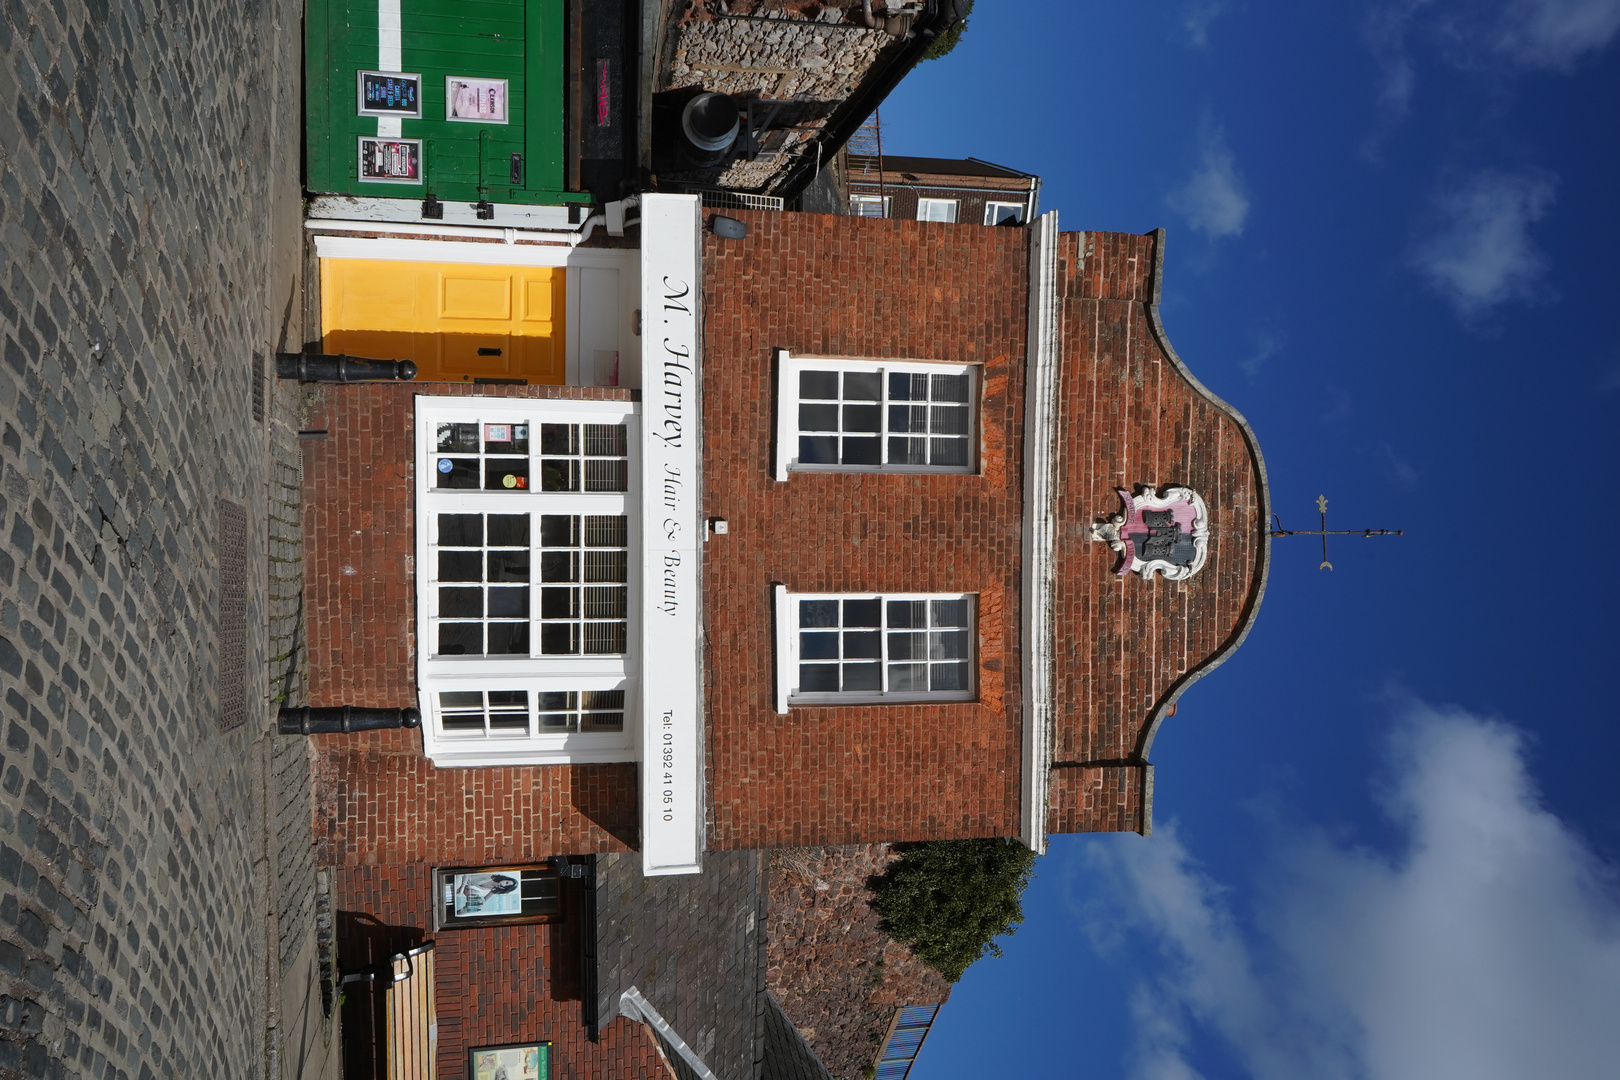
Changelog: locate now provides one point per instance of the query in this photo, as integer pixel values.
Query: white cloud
(1265, 347)
(1212, 199)
(1486, 948)
(1479, 252)
(1196, 17)
(1548, 33)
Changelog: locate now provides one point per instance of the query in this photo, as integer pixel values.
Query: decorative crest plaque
(1164, 534)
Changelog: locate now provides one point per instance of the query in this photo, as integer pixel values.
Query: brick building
(817, 536)
(964, 190)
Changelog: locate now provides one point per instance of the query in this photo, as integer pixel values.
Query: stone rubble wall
(835, 973)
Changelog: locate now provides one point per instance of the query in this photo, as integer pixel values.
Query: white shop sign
(672, 535)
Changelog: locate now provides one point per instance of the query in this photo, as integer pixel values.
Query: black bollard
(341, 368)
(343, 719)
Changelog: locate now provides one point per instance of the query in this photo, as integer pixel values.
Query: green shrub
(950, 899)
(948, 40)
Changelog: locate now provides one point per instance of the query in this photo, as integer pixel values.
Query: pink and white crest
(1158, 533)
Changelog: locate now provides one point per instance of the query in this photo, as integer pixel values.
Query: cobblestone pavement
(154, 883)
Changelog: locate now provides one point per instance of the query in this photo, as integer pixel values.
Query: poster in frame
(470, 100)
(513, 1061)
(390, 161)
(471, 896)
(389, 93)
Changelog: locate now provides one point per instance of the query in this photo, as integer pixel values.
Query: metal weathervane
(1324, 532)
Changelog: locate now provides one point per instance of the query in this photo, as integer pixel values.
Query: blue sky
(1387, 831)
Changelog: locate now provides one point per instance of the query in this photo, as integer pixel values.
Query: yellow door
(456, 321)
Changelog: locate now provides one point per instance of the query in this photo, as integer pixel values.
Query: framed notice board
(513, 1061)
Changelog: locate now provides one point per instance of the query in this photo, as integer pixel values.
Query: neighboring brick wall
(491, 986)
(377, 799)
(1129, 417)
(832, 286)
(834, 972)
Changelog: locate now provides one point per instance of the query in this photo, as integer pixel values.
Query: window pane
(908, 451)
(950, 387)
(818, 449)
(862, 451)
(461, 699)
(908, 418)
(908, 646)
(507, 638)
(908, 678)
(559, 475)
(818, 646)
(506, 438)
(607, 474)
(559, 530)
(509, 565)
(508, 530)
(454, 437)
(457, 473)
(861, 677)
(908, 386)
(559, 439)
(461, 603)
(818, 613)
(559, 639)
(559, 566)
(818, 417)
(605, 531)
(559, 603)
(948, 676)
(948, 420)
(905, 614)
(947, 451)
(557, 723)
(461, 530)
(606, 602)
(821, 385)
(863, 386)
(863, 418)
(863, 646)
(606, 566)
(504, 699)
(947, 645)
(555, 700)
(862, 612)
(506, 474)
(950, 612)
(461, 639)
(607, 440)
(508, 603)
(818, 678)
(461, 566)
(603, 638)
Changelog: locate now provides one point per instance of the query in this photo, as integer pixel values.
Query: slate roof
(787, 1055)
(694, 945)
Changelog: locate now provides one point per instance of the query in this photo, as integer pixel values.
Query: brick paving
(153, 883)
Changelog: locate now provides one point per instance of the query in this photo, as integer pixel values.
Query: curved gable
(1126, 647)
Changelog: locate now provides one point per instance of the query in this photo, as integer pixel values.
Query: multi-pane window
(936, 210)
(876, 647)
(526, 584)
(877, 415)
(482, 589)
(869, 205)
(584, 598)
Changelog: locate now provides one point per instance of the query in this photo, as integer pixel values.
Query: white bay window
(526, 603)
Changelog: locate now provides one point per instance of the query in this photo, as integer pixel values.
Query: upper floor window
(1003, 213)
(875, 416)
(936, 210)
(870, 205)
(887, 648)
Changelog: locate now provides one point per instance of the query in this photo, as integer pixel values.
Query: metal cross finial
(1324, 532)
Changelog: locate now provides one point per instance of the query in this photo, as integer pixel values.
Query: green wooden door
(490, 98)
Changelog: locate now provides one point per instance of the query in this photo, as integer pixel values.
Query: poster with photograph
(391, 161)
(485, 894)
(475, 101)
(390, 93)
(529, 1062)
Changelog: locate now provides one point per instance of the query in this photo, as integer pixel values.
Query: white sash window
(526, 595)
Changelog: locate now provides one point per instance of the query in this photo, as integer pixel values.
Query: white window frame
(787, 629)
(788, 369)
(990, 209)
(535, 673)
(886, 201)
(926, 208)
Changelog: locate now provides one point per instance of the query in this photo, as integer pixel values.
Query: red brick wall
(378, 800)
(831, 286)
(1124, 645)
(493, 986)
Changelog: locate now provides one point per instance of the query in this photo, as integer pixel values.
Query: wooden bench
(411, 1030)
